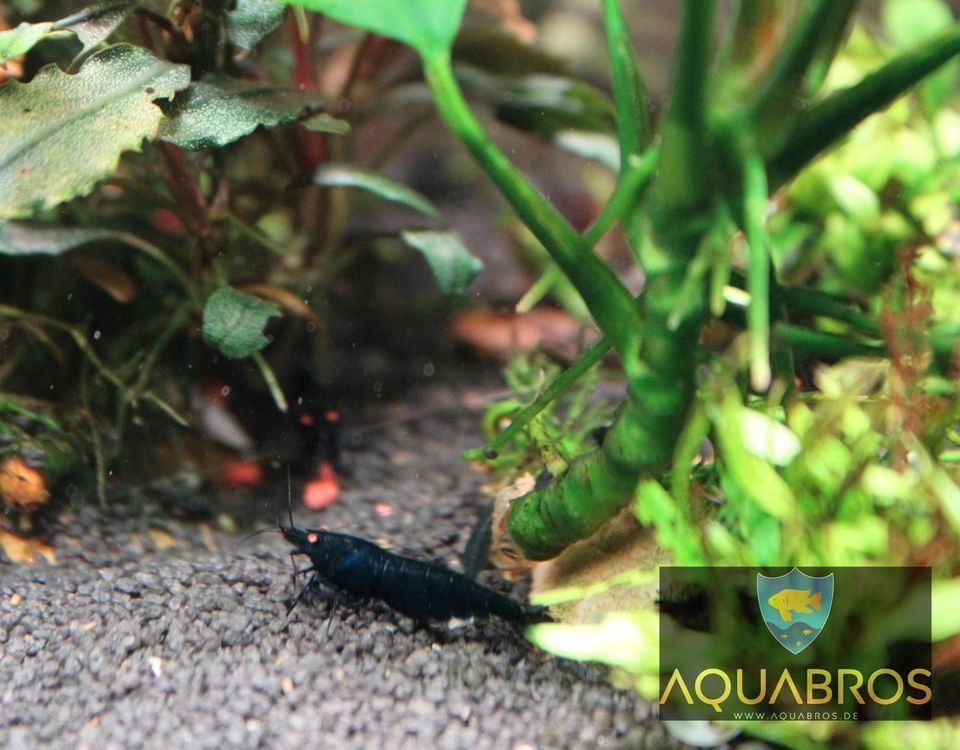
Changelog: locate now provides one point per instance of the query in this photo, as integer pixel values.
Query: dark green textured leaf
(428, 26)
(251, 20)
(91, 25)
(220, 110)
(64, 133)
(346, 175)
(233, 322)
(453, 266)
(95, 24)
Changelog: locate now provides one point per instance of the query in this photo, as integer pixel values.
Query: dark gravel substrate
(125, 645)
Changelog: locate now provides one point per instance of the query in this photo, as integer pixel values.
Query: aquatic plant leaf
(429, 26)
(219, 110)
(453, 266)
(621, 639)
(233, 322)
(767, 438)
(346, 175)
(828, 121)
(18, 238)
(251, 20)
(96, 23)
(22, 39)
(65, 133)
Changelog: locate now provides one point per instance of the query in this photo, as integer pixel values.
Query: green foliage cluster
(167, 179)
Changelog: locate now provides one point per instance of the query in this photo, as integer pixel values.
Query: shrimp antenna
(257, 533)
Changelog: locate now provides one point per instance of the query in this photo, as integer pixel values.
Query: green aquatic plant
(847, 465)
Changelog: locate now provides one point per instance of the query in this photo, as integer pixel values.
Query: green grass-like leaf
(64, 133)
(347, 175)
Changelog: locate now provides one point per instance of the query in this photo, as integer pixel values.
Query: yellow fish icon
(806, 631)
(787, 601)
(799, 643)
(784, 636)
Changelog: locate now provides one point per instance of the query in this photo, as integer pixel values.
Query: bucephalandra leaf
(251, 20)
(233, 322)
(63, 133)
(219, 110)
(453, 265)
(19, 41)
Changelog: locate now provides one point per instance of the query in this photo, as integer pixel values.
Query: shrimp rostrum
(423, 590)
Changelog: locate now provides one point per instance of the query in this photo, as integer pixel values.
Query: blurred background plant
(182, 184)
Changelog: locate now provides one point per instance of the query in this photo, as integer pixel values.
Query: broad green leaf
(346, 175)
(233, 322)
(945, 609)
(219, 110)
(767, 438)
(22, 39)
(429, 26)
(251, 20)
(64, 133)
(622, 639)
(754, 479)
(453, 266)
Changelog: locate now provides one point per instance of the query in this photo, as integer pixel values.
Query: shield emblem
(795, 607)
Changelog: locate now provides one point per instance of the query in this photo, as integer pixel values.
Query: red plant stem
(312, 146)
(184, 188)
(144, 28)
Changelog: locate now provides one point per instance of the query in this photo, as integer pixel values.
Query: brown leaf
(104, 274)
(22, 550)
(161, 539)
(498, 334)
(289, 300)
(22, 487)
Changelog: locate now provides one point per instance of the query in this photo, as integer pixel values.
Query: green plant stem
(83, 344)
(273, 385)
(831, 119)
(635, 175)
(634, 128)
(823, 344)
(540, 289)
(642, 438)
(758, 272)
(257, 236)
(556, 387)
(632, 181)
(604, 294)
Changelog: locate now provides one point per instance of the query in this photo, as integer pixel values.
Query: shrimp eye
(312, 538)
